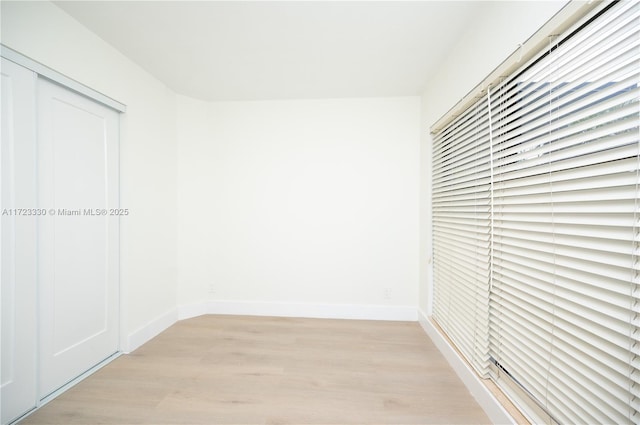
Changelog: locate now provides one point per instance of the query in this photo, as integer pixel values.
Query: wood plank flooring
(266, 370)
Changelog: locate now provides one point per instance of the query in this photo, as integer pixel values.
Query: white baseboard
(150, 330)
(491, 406)
(316, 311)
(188, 311)
(256, 308)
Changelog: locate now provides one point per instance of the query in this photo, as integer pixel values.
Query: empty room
(320, 212)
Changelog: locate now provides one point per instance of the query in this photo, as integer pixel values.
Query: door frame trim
(59, 78)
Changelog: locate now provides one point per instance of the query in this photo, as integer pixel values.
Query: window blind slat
(534, 100)
(461, 203)
(536, 219)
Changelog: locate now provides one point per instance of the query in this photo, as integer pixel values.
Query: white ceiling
(236, 50)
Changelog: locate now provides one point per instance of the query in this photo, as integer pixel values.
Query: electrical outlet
(387, 293)
(211, 289)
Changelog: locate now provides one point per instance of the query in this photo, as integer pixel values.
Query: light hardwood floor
(265, 370)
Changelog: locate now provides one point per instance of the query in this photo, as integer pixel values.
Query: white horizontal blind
(565, 294)
(461, 223)
(539, 214)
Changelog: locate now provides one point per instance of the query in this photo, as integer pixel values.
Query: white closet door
(78, 240)
(18, 234)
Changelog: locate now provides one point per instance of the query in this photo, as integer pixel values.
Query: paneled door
(78, 238)
(18, 249)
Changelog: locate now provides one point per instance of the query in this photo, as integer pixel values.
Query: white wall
(46, 34)
(299, 202)
(294, 202)
(493, 35)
